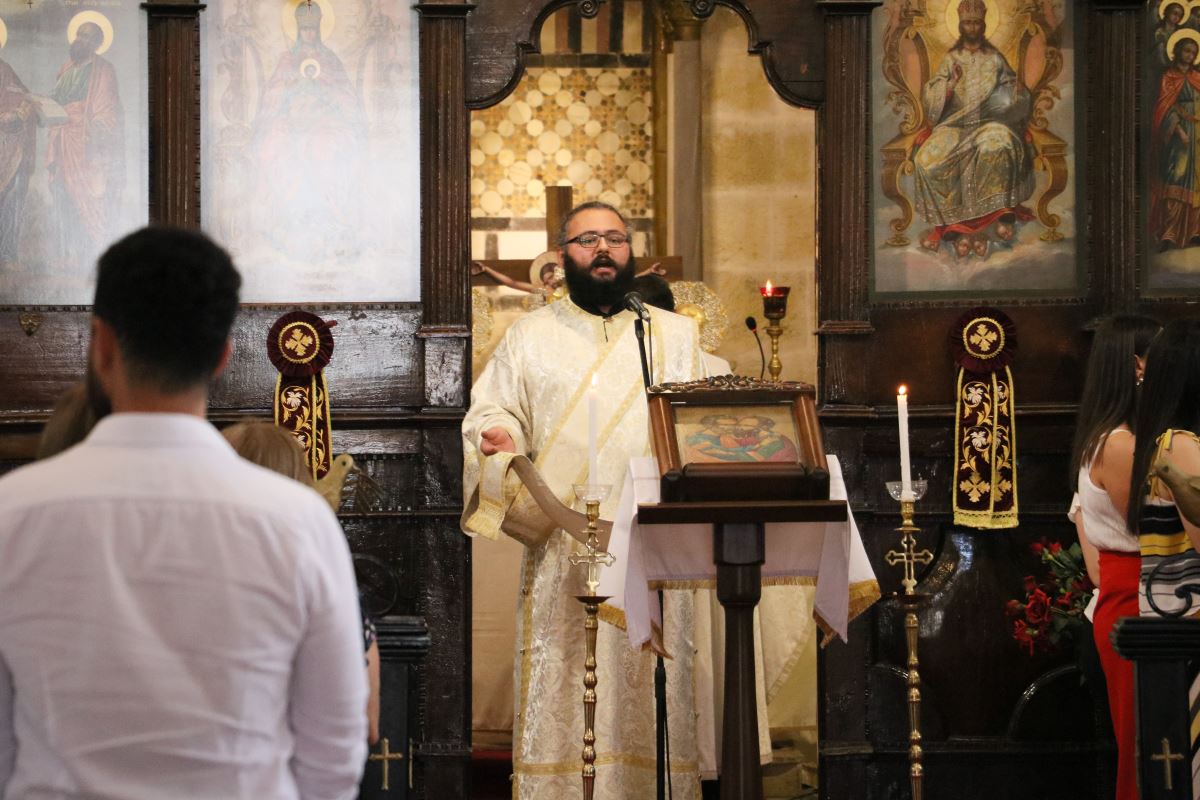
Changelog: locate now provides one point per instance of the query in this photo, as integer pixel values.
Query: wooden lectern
(738, 453)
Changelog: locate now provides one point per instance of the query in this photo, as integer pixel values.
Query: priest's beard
(593, 294)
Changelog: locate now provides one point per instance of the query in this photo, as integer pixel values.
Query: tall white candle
(906, 490)
(593, 461)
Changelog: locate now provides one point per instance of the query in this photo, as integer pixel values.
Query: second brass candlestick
(908, 556)
(593, 559)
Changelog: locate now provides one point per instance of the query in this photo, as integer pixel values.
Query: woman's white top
(1103, 526)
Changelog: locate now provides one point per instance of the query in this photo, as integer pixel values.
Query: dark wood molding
(445, 170)
(786, 36)
(174, 111)
(500, 36)
(844, 216)
(849, 327)
(1111, 92)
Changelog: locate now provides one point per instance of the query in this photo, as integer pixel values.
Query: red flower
(1030, 584)
(1037, 610)
(1065, 601)
(1055, 548)
(1014, 609)
(1037, 548)
(1023, 635)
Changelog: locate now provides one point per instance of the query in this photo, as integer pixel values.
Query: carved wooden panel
(994, 718)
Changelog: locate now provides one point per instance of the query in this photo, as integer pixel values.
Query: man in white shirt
(175, 622)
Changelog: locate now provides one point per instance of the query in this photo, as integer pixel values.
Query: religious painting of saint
(73, 146)
(1171, 86)
(715, 434)
(973, 140)
(311, 147)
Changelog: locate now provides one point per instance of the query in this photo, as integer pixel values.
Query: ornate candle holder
(591, 496)
(774, 309)
(909, 557)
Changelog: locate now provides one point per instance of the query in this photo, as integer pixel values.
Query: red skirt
(1119, 576)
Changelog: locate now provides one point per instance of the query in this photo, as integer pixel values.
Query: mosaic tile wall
(581, 116)
(585, 127)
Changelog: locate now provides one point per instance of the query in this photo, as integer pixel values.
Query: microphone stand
(662, 746)
(639, 330)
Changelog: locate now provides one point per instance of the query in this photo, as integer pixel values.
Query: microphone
(633, 301)
(752, 324)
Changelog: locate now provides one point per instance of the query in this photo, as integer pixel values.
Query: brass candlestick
(774, 309)
(909, 557)
(592, 496)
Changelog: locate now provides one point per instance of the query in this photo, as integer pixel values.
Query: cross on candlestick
(594, 557)
(385, 755)
(1166, 757)
(909, 556)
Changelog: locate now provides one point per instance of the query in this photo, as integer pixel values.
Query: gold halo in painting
(538, 264)
(95, 17)
(1162, 7)
(1182, 33)
(310, 62)
(287, 16)
(991, 19)
(3, 34)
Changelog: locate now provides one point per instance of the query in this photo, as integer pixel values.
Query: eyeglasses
(590, 240)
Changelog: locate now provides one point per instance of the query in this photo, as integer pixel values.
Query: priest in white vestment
(532, 400)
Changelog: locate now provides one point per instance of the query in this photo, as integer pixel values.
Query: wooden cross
(910, 557)
(385, 755)
(594, 557)
(1166, 757)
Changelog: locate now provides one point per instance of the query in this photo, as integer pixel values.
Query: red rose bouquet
(1054, 603)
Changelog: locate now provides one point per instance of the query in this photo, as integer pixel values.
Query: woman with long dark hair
(1167, 422)
(1101, 462)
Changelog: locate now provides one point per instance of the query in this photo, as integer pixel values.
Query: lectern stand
(739, 550)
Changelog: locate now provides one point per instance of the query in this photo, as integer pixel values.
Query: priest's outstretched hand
(496, 440)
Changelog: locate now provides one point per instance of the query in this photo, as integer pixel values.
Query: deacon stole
(535, 387)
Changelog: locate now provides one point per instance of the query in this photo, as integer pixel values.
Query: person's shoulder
(41, 479)
(248, 483)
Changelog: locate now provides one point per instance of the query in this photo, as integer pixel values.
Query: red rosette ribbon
(300, 346)
(983, 340)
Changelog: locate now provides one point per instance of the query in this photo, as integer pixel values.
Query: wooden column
(445, 171)
(174, 78)
(442, 758)
(739, 550)
(1112, 199)
(844, 227)
(559, 202)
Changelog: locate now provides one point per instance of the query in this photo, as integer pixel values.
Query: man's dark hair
(591, 204)
(655, 291)
(170, 295)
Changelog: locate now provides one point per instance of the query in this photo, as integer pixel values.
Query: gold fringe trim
(863, 595)
(613, 616)
(985, 519)
(602, 759)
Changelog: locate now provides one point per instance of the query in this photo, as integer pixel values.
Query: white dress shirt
(175, 622)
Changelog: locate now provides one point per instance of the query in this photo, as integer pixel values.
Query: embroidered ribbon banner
(300, 345)
(984, 343)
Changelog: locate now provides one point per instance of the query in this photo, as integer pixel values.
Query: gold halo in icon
(94, 17)
(1179, 35)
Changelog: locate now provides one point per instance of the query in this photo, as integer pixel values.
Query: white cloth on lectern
(830, 552)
